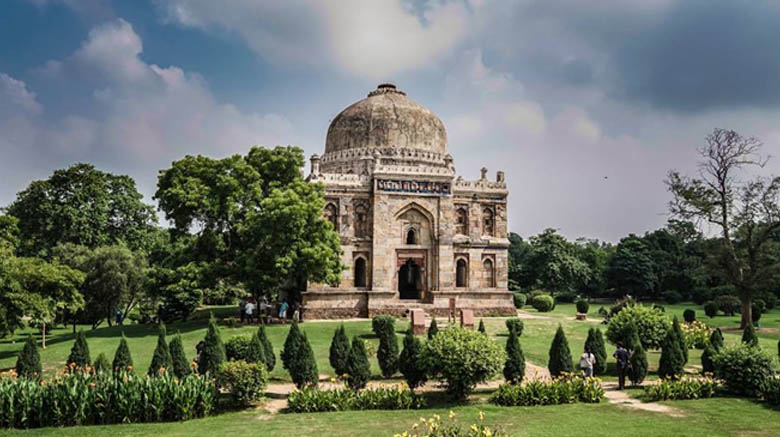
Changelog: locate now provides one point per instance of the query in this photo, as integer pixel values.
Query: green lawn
(710, 417)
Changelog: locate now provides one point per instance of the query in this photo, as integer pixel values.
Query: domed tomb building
(414, 234)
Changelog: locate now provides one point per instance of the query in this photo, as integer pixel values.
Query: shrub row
(83, 398)
(312, 400)
(564, 390)
(685, 388)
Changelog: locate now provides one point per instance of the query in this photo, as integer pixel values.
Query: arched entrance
(409, 280)
(360, 273)
(461, 273)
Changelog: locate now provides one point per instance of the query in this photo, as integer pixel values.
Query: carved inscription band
(425, 187)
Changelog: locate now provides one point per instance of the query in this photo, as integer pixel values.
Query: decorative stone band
(414, 187)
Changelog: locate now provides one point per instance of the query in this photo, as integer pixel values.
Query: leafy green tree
(358, 367)
(560, 354)
(387, 354)
(181, 365)
(339, 351)
(123, 360)
(28, 365)
(101, 364)
(681, 338)
(596, 255)
(213, 352)
(433, 329)
(114, 279)
(162, 354)
(81, 205)
(555, 263)
(514, 367)
(638, 362)
(595, 344)
(79, 353)
(749, 335)
(410, 361)
(519, 275)
(268, 349)
(631, 269)
(746, 211)
(9, 234)
(259, 221)
(672, 360)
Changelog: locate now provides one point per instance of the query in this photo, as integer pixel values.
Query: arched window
(461, 273)
(462, 221)
(488, 222)
(360, 272)
(332, 215)
(361, 220)
(488, 274)
(411, 237)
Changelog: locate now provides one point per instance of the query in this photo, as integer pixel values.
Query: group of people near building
(251, 310)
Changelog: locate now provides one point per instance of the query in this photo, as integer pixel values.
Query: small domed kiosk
(414, 235)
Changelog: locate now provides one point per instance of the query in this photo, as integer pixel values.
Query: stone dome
(386, 119)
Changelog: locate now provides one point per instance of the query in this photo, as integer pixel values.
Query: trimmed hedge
(743, 369)
(514, 324)
(582, 306)
(519, 299)
(311, 400)
(685, 388)
(567, 390)
(244, 381)
(543, 303)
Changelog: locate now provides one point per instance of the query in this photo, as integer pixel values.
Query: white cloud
(141, 118)
(374, 39)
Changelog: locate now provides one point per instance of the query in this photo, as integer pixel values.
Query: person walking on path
(622, 356)
(250, 310)
(283, 310)
(587, 359)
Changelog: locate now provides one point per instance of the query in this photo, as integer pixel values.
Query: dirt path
(622, 398)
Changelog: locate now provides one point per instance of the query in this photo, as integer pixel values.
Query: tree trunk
(43, 336)
(747, 312)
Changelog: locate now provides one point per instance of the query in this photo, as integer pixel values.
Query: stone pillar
(315, 164)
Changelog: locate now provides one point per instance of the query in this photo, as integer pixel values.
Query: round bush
(237, 348)
(244, 381)
(743, 369)
(543, 303)
(462, 358)
(711, 309)
(535, 293)
(730, 305)
(651, 325)
(582, 306)
(519, 299)
(689, 315)
(381, 323)
(672, 296)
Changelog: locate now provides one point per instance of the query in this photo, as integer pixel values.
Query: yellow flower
(481, 416)
(452, 414)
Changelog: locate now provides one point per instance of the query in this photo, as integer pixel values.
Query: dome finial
(386, 88)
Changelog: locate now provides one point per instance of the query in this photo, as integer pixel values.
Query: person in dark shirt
(622, 357)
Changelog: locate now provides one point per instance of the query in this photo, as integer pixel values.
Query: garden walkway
(622, 398)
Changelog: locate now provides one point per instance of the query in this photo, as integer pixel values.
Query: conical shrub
(514, 367)
(339, 351)
(254, 352)
(291, 344)
(672, 361)
(268, 348)
(28, 365)
(680, 338)
(213, 352)
(162, 354)
(749, 335)
(716, 339)
(122, 358)
(181, 365)
(595, 343)
(560, 354)
(79, 353)
(410, 361)
(101, 364)
(387, 354)
(433, 329)
(302, 365)
(707, 362)
(482, 327)
(358, 368)
(638, 370)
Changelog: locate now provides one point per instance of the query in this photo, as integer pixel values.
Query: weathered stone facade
(414, 234)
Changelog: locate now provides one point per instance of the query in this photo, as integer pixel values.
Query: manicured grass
(710, 417)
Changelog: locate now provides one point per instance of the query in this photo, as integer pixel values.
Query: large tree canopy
(256, 220)
(80, 205)
(556, 263)
(631, 270)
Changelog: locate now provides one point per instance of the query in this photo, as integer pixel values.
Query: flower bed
(312, 400)
(82, 398)
(685, 388)
(564, 390)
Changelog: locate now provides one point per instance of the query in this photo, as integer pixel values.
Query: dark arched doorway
(409, 280)
(461, 273)
(360, 272)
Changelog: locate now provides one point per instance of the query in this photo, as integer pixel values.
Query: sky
(585, 105)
